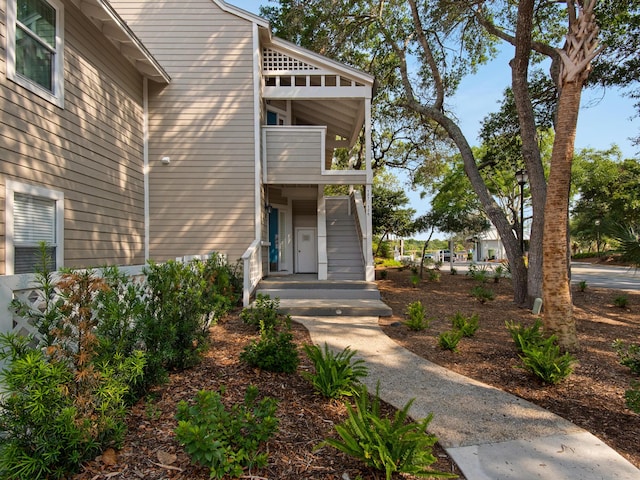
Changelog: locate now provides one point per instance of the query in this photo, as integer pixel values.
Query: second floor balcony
(302, 155)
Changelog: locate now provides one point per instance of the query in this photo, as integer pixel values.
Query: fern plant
(336, 375)
(449, 340)
(524, 336)
(468, 326)
(482, 294)
(546, 362)
(392, 445)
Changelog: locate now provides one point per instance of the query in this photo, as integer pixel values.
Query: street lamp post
(597, 222)
(522, 177)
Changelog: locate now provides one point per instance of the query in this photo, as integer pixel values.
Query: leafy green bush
(629, 355)
(498, 272)
(264, 309)
(434, 275)
(415, 280)
(336, 375)
(274, 351)
(632, 397)
(417, 317)
(582, 285)
(479, 273)
(383, 274)
(524, 336)
(449, 340)
(621, 301)
(62, 404)
(468, 326)
(545, 361)
(226, 441)
(175, 324)
(482, 294)
(389, 445)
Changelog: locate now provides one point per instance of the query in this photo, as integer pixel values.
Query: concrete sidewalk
(490, 434)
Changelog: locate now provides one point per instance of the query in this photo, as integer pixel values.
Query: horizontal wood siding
(92, 150)
(204, 121)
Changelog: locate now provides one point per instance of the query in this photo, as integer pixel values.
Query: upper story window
(35, 47)
(33, 215)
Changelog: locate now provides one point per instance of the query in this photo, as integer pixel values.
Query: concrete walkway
(490, 434)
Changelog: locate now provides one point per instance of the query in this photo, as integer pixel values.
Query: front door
(307, 250)
(274, 237)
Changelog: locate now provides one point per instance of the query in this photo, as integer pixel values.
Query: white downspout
(145, 168)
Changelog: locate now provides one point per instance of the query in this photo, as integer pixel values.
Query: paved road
(620, 278)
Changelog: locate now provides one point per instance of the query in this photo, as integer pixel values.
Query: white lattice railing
(252, 270)
(24, 287)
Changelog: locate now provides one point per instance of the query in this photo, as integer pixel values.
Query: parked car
(445, 256)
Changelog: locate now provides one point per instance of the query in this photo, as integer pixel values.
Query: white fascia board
(314, 93)
(119, 32)
(239, 12)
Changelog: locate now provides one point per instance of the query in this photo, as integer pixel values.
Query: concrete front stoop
(300, 295)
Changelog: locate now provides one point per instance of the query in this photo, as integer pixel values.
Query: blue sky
(605, 116)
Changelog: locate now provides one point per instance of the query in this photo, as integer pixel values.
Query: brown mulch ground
(305, 420)
(592, 397)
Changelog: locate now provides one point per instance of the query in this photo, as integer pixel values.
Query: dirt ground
(591, 397)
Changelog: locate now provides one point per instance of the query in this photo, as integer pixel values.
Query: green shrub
(383, 274)
(264, 309)
(482, 294)
(434, 275)
(449, 340)
(632, 397)
(621, 301)
(629, 355)
(545, 361)
(498, 272)
(274, 351)
(417, 317)
(336, 375)
(61, 405)
(415, 280)
(174, 327)
(479, 273)
(468, 326)
(389, 445)
(582, 285)
(226, 441)
(524, 336)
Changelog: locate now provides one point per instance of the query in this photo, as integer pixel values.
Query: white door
(306, 250)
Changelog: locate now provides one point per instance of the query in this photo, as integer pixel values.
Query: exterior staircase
(345, 292)
(305, 296)
(344, 246)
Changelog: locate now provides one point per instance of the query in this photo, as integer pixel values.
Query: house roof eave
(103, 16)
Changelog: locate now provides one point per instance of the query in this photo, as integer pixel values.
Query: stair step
(323, 308)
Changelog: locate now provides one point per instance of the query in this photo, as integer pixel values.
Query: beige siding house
(173, 128)
(71, 134)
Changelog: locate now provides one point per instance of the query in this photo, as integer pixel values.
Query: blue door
(273, 240)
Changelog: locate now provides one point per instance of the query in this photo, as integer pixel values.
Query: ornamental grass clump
(336, 374)
(391, 445)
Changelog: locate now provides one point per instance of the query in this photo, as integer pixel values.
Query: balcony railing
(298, 155)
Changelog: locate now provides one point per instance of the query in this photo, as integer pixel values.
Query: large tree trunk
(576, 57)
(530, 149)
(558, 305)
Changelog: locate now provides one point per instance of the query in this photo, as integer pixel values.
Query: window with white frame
(35, 47)
(33, 215)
